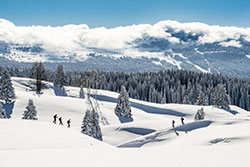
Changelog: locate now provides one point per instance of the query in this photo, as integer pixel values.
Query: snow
(180, 55)
(172, 61)
(197, 51)
(222, 139)
(157, 63)
(198, 67)
(27, 135)
(232, 43)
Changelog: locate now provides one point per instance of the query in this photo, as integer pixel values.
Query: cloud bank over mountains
(77, 37)
(144, 47)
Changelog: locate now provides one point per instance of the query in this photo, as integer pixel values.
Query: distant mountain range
(143, 47)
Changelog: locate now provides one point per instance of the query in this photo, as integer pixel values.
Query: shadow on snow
(124, 119)
(59, 91)
(231, 111)
(138, 131)
(193, 126)
(8, 107)
(145, 108)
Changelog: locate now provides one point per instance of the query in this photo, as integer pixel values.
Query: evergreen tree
(60, 78)
(200, 114)
(202, 99)
(221, 99)
(6, 89)
(90, 125)
(123, 107)
(38, 72)
(30, 112)
(81, 93)
(192, 97)
(186, 100)
(2, 111)
(163, 100)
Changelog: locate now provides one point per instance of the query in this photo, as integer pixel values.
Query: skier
(60, 121)
(3, 114)
(68, 122)
(55, 116)
(182, 120)
(173, 123)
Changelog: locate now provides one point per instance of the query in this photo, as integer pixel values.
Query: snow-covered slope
(223, 134)
(26, 135)
(164, 45)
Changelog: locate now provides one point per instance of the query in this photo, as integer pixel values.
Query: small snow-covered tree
(81, 93)
(60, 78)
(123, 107)
(6, 89)
(186, 100)
(163, 100)
(200, 114)
(30, 112)
(2, 111)
(90, 125)
(202, 99)
(221, 99)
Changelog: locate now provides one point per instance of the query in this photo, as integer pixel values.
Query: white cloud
(80, 37)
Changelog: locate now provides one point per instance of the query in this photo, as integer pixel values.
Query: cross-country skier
(60, 121)
(182, 120)
(68, 122)
(173, 123)
(55, 116)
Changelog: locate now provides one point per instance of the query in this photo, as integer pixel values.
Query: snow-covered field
(222, 139)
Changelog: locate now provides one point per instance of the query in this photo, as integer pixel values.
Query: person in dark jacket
(182, 120)
(68, 122)
(173, 123)
(60, 121)
(55, 116)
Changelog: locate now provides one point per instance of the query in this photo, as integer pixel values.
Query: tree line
(170, 86)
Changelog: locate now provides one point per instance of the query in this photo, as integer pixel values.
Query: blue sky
(113, 13)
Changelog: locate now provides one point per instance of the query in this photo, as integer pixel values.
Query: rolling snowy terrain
(164, 45)
(148, 139)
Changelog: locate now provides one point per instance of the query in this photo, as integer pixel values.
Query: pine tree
(221, 99)
(202, 99)
(30, 112)
(186, 100)
(163, 100)
(6, 89)
(60, 78)
(2, 111)
(81, 93)
(123, 107)
(38, 72)
(200, 114)
(90, 125)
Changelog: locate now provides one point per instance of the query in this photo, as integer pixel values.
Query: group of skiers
(60, 120)
(182, 121)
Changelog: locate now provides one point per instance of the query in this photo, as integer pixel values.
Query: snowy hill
(223, 134)
(164, 45)
(26, 135)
